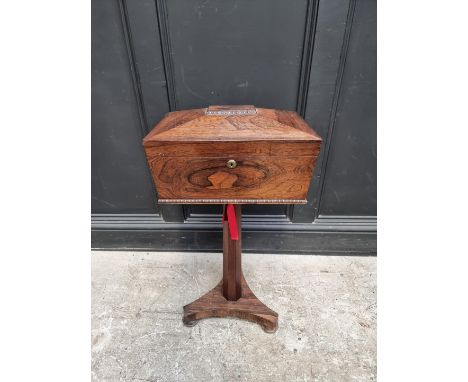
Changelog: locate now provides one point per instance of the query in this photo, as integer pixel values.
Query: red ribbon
(232, 221)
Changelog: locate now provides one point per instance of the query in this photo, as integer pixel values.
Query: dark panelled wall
(316, 57)
(120, 182)
(350, 184)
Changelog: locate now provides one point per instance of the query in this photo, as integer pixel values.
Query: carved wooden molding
(233, 201)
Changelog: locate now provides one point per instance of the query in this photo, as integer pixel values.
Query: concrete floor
(326, 307)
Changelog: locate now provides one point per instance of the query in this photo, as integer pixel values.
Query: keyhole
(231, 163)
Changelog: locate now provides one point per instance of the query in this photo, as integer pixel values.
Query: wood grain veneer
(275, 152)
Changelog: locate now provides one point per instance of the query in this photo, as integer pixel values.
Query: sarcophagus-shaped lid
(231, 124)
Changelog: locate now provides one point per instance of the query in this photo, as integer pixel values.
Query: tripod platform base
(247, 307)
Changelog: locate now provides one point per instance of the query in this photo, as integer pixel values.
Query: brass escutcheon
(231, 163)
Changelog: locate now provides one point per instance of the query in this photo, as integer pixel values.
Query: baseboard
(347, 235)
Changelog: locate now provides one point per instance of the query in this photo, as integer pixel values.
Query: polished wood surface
(232, 297)
(232, 266)
(248, 307)
(215, 149)
(198, 126)
(275, 152)
(256, 177)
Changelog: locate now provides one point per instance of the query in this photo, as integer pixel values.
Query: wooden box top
(231, 124)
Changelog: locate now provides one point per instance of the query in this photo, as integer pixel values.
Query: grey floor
(326, 307)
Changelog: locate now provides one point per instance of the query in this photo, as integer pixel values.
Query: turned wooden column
(232, 262)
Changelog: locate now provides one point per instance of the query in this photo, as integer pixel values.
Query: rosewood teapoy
(232, 155)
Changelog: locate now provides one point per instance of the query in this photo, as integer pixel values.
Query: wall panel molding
(118, 122)
(307, 54)
(336, 99)
(173, 213)
(333, 47)
(145, 128)
(133, 67)
(249, 222)
(328, 234)
(163, 24)
(306, 66)
(349, 177)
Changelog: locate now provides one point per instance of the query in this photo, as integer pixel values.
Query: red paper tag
(232, 221)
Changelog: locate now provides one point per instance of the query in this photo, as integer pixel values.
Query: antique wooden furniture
(232, 155)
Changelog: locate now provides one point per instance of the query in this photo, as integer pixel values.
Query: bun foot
(271, 328)
(188, 322)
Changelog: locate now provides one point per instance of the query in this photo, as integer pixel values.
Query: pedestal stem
(232, 262)
(232, 297)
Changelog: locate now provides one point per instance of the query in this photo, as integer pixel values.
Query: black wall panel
(237, 52)
(314, 56)
(120, 180)
(324, 84)
(351, 175)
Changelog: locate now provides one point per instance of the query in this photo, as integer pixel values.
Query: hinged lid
(243, 123)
